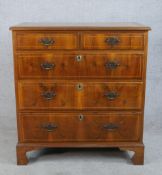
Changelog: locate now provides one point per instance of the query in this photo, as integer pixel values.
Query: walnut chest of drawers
(80, 85)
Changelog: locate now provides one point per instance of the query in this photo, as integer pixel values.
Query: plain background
(148, 12)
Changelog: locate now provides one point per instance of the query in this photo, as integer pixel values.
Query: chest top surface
(81, 26)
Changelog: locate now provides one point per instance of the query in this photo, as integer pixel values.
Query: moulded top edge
(80, 26)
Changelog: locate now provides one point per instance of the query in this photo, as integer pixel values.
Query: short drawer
(84, 65)
(80, 127)
(46, 40)
(113, 40)
(59, 95)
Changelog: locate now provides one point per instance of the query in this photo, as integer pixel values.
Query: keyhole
(78, 58)
(79, 86)
(81, 117)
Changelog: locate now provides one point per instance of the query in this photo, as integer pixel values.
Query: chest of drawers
(80, 86)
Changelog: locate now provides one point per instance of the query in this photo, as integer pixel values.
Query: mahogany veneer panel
(126, 40)
(27, 41)
(91, 65)
(70, 127)
(92, 96)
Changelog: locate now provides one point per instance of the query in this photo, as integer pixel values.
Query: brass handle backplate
(47, 66)
(49, 126)
(48, 95)
(110, 126)
(112, 65)
(111, 95)
(112, 41)
(47, 41)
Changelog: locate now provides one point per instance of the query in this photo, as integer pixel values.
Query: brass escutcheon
(81, 117)
(79, 86)
(78, 58)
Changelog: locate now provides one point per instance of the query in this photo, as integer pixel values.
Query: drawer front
(80, 127)
(46, 41)
(84, 65)
(113, 40)
(79, 95)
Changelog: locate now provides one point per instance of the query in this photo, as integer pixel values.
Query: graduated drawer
(59, 95)
(84, 65)
(46, 40)
(113, 40)
(80, 127)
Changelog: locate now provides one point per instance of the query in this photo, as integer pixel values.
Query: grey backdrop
(148, 12)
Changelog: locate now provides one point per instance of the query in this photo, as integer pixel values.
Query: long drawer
(109, 65)
(46, 40)
(113, 40)
(59, 95)
(56, 127)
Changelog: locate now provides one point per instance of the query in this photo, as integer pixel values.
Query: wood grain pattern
(27, 41)
(93, 95)
(94, 100)
(92, 127)
(95, 40)
(95, 65)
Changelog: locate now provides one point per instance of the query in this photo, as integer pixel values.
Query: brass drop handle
(50, 127)
(111, 95)
(47, 41)
(112, 41)
(47, 66)
(112, 65)
(110, 126)
(48, 95)
(79, 58)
